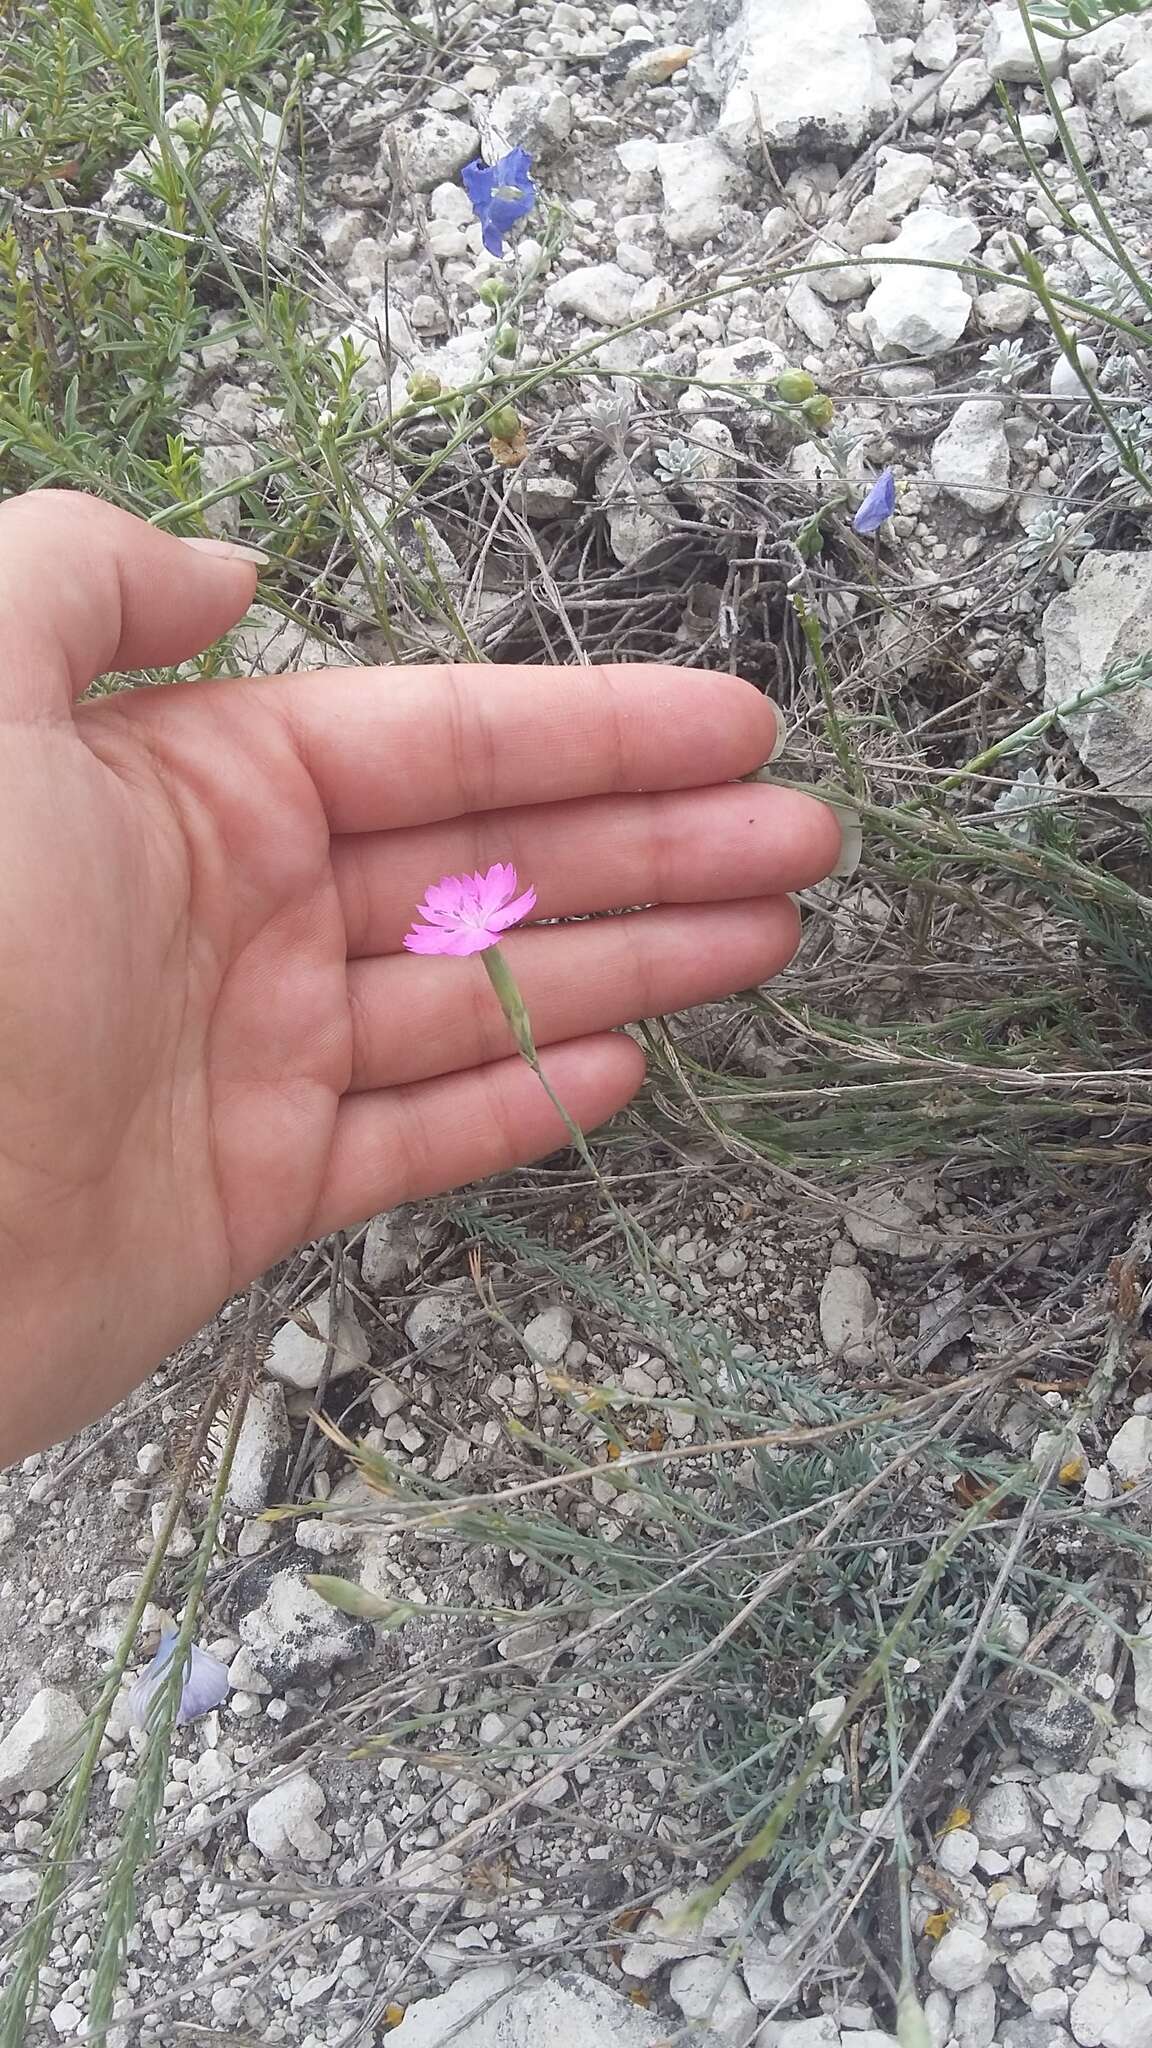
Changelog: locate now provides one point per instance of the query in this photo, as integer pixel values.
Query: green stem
(513, 1005)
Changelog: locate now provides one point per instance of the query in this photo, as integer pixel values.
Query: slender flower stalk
(466, 914)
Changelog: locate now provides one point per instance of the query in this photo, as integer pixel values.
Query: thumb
(85, 588)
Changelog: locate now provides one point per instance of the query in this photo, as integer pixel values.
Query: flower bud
(794, 386)
(504, 424)
(819, 410)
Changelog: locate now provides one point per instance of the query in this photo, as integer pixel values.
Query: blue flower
(878, 506)
(206, 1684)
(501, 194)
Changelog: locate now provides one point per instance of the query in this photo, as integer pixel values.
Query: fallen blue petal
(501, 194)
(206, 1684)
(878, 506)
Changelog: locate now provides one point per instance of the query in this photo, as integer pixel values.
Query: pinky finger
(399, 1144)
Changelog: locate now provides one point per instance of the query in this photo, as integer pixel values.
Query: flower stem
(512, 1003)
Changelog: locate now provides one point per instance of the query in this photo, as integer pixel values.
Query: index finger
(409, 746)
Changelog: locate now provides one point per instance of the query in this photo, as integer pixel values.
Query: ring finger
(415, 1017)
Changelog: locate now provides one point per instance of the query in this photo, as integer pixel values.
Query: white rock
(494, 2008)
(389, 1250)
(1004, 1818)
(974, 2018)
(1131, 1760)
(1015, 1909)
(709, 1993)
(1005, 308)
(957, 1852)
(847, 1308)
(1121, 1938)
(846, 281)
(1067, 1793)
(1130, 1451)
(1097, 2005)
(262, 1442)
(283, 1823)
(1031, 1972)
(1008, 53)
(769, 1979)
(1131, 2028)
(919, 310)
(295, 1638)
(821, 2032)
(701, 184)
(298, 1350)
(435, 1319)
(431, 146)
(810, 315)
(211, 1772)
(536, 115)
(1067, 381)
(882, 1220)
(971, 459)
(798, 77)
(965, 88)
(902, 176)
(959, 1960)
(1134, 93)
(1104, 1830)
(548, 1335)
(937, 44)
(387, 1397)
(1106, 616)
(730, 369)
(600, 292)
(42, 1746)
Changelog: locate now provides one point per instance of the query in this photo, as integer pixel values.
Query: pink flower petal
(465, 914)
(513, 912)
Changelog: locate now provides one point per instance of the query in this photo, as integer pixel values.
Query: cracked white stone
(283, 1824)
(797, 77)
(971, 459)
(959, 1959)
(41, 1747)
(917, 308)
(299, 1349)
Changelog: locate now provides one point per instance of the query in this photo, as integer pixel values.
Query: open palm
(212, 1046)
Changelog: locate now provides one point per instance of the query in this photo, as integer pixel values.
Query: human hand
(212, 1046)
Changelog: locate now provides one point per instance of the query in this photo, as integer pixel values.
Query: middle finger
(598, 853)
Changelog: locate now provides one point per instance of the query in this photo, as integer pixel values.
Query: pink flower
(469, 913)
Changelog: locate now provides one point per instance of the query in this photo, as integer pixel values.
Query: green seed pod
(819, 410)
(794, 386)
(423, 384)
(504, 424)
(492, 292)
(507, 341)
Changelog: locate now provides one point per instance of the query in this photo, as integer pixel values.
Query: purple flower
(878, 506)
(501, 194)
(206, 1684)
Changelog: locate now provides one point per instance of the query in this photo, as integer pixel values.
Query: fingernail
(851, 840)
(225, 550)
(781, 739)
